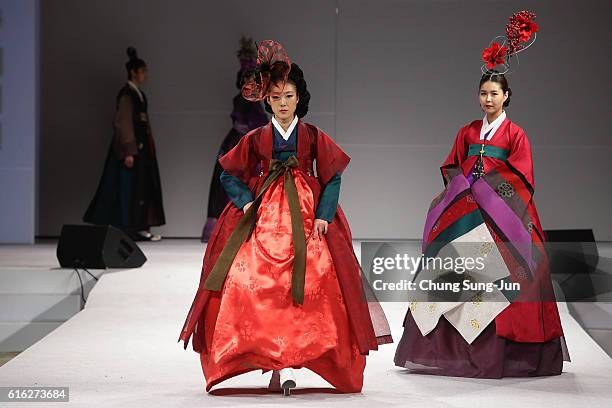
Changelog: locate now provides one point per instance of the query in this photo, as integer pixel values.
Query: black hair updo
(296, 77)
(134, 62)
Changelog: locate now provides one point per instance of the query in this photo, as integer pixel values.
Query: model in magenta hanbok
(488, 202)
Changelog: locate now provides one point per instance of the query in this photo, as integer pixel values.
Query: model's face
(283, 99)
(492, 98)
(140, 75)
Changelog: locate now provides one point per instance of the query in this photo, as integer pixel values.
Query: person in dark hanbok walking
(129, 194)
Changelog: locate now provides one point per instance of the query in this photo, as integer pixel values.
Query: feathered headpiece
(272, 63)
(520, 35)
(247, 54)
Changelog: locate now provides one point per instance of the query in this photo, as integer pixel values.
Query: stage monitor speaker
(572, 251)
(573, 259)
(97, 247)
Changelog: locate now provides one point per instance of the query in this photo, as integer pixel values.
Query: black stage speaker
(573, 251)
(574, 259)
(97, 247)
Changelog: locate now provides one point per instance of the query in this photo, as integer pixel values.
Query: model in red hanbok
(281, 287)
(488, 203)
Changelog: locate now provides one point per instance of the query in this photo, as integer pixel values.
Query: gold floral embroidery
(475, 324)
(486, 248)
(413, 306)
(431, 308)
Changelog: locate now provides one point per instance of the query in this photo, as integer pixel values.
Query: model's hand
(320, 228)
(129, 162)
(246, 206)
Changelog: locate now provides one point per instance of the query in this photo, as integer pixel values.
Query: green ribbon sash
(246, 225)
(488, 150)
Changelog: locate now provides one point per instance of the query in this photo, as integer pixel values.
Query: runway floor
(121, 350)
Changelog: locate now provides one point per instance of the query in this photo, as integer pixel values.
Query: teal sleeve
(236, 190)
(328, 200)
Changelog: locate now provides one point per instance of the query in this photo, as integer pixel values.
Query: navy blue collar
(280, 141)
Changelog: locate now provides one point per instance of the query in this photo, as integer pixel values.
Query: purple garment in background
(247, 115)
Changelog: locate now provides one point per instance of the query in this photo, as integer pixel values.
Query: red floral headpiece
(272, 62)
(520, 35)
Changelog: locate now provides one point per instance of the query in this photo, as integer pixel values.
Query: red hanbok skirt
(254, 323)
